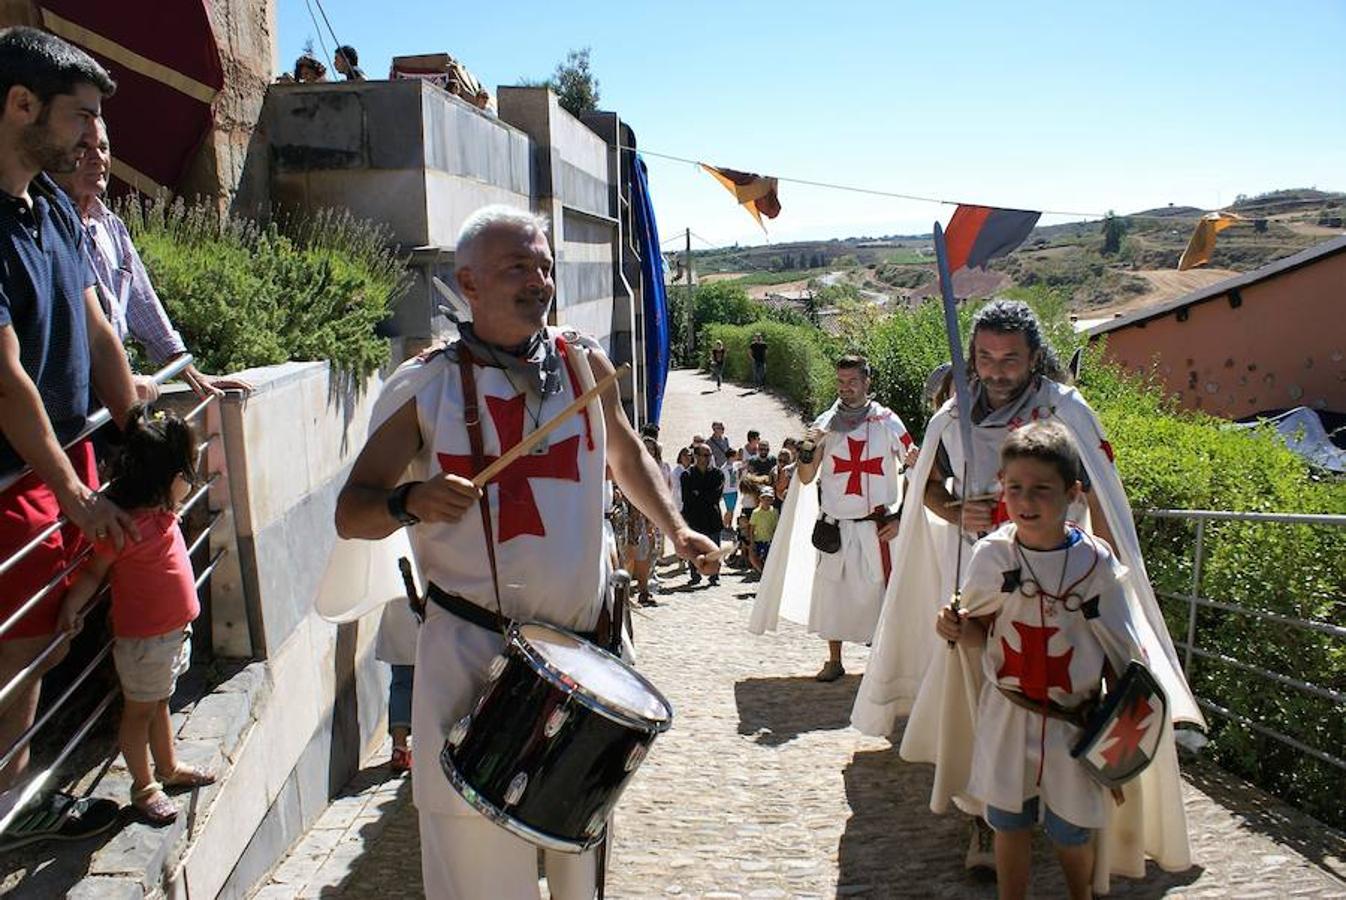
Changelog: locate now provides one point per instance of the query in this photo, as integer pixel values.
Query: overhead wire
(317, 28)
(875, 192)
(335, 40)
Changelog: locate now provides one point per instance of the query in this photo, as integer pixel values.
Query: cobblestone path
(762, 789)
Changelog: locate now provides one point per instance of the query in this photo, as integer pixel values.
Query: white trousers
(471, 858)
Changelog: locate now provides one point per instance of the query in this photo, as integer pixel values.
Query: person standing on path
(758, 351)
(719, 444)
(538, 549)
(855, 449)
(702, 489)
(717, 363)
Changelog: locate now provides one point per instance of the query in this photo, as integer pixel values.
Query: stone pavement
(761, 788)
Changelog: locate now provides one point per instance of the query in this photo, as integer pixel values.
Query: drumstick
(528, 443)
(726, 548)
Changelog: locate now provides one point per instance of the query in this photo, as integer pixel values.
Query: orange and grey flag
(756, 193)
(978, 234)
(1202, 245)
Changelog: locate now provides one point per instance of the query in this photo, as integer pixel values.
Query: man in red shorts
(56, 346)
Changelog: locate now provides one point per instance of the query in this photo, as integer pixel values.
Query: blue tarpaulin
(652, 289)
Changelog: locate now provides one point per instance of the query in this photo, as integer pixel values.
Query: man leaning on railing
(123, 286)
(55, 343)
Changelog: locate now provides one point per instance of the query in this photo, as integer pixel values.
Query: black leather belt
(1076, 715)
(478, 615)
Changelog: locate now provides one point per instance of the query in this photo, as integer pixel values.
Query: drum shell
(575, 776)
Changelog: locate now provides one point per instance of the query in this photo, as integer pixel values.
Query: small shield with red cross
(1122, 736)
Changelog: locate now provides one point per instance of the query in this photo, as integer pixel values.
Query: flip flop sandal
(186, 777)
(154, 805)
(60, 817)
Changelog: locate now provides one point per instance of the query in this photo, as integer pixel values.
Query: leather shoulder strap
(472, 419)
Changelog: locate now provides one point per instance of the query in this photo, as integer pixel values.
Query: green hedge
(798, 360)
(244, 294)
(1177, 460)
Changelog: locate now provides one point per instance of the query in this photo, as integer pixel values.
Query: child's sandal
(153, 804)
(186, 777)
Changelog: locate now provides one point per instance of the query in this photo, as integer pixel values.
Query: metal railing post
(1197, 556)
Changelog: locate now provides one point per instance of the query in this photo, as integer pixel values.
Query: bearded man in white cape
(856, 451)
(911, 671)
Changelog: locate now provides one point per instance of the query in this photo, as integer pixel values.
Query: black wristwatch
(397, 504)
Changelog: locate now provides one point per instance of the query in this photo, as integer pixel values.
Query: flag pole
(962, 397)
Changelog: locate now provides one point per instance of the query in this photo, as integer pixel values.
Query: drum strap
(472, 419)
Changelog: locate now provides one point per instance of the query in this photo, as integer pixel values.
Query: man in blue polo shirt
(56, 346)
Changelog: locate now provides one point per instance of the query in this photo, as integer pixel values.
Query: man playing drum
(543, 556)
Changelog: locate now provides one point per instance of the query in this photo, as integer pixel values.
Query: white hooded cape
(362, 575)
(912, 670)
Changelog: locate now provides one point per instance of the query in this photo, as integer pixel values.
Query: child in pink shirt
(153, 602)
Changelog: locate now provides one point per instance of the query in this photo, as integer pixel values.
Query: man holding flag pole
(913, 671)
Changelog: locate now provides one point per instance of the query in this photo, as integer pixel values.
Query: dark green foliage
(798, 360)
(248, 295)
(1174, 460)
(574, 83)
(723, 301)
(1113, 229)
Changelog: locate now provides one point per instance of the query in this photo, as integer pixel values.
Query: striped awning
(166, 63)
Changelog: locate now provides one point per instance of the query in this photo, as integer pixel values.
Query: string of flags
(975, 235)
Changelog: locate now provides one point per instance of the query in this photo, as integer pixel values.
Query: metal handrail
(1280, 619)
(39, 781)
(1193, 599)
(83, 555)
(27, 737)
(1222, 515)
(101, 417)
(36, 783)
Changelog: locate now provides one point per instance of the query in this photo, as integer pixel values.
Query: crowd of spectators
(733, 495)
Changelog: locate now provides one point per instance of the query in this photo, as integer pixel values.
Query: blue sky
(1044, 105)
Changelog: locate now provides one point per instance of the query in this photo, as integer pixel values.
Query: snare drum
(555, 736)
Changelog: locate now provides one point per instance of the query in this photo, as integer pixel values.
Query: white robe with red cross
(1056, 616)
(547, 517)
(837, 596)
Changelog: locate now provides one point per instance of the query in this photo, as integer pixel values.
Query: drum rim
(498, 816)
(589, 699)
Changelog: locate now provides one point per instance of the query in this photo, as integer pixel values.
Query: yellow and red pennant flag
(978, 234)
(755, 193)
(1202, 245)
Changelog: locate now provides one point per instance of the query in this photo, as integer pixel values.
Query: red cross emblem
(1035, 669)
(518, 510)
(1127, 733)
(855, 466)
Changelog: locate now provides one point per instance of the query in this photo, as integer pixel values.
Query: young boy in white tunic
(1046, 600)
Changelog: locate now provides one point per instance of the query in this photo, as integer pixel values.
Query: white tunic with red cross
(858, 471)
(547, 518)
(1058, 615)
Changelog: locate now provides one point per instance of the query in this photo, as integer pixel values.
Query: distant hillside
(1067, 256)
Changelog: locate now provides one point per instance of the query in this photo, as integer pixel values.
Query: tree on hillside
(1113, 229)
